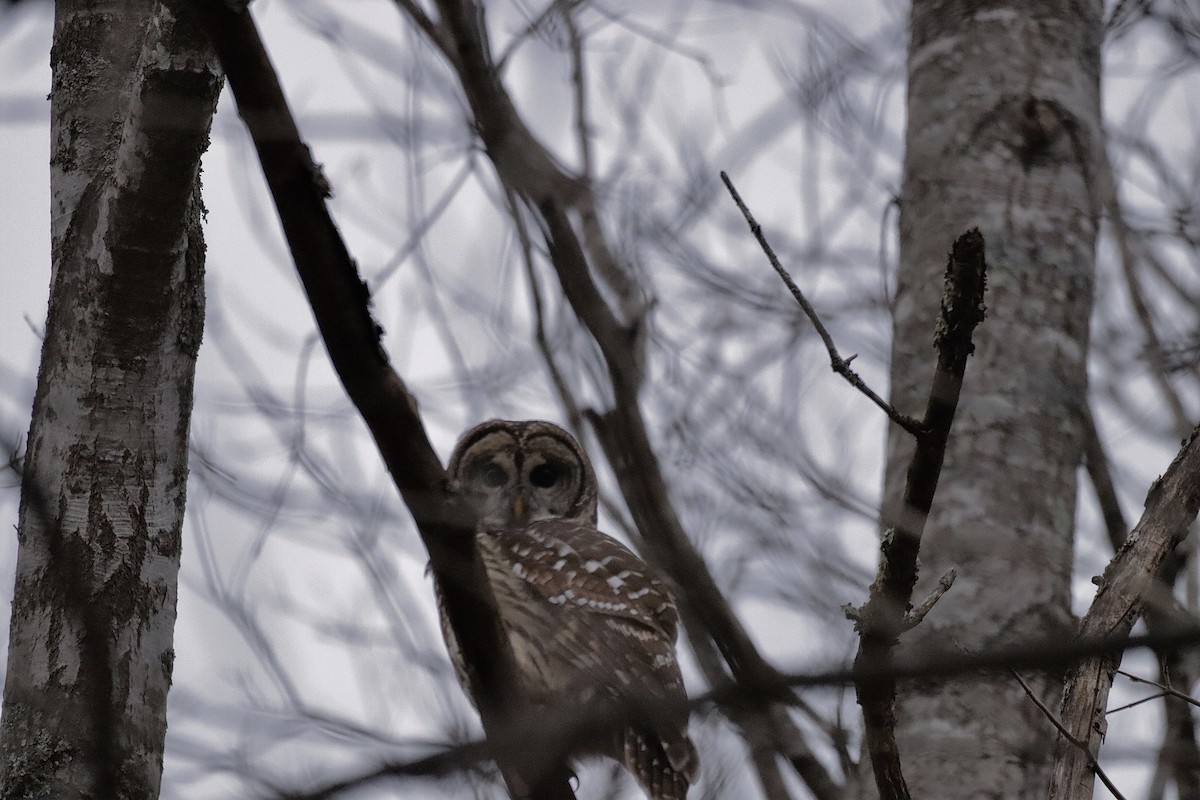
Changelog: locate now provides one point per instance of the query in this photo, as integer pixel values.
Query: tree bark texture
(105, 474)
(1171, 506)
(1003, 134)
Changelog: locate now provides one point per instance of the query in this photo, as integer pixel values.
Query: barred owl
(586, 618)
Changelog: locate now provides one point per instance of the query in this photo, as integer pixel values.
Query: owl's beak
(519, 508)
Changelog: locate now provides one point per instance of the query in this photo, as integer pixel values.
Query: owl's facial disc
(515, 473)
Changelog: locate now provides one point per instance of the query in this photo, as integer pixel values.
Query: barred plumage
(583, 613)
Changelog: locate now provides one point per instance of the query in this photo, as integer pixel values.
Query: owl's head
(519, 472)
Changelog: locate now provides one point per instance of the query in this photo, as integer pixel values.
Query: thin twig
(428, 26)
(914, 617)
(1082, 745)
(1138, 702)
(1166, 690)
(840, 365)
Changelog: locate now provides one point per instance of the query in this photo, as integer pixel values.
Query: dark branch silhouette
(554, 725)
(882, 619)
(839, 365)
(340, 303)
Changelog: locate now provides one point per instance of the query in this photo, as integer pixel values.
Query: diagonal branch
(881, 619)
(1082, 745)
(340, 303)
(1166, 690)
(839, 365)
(1171, 507)
(1162, 613)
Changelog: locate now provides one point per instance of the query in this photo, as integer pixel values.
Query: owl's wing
(568, 562)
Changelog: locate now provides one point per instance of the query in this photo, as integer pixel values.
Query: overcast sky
(298, 564)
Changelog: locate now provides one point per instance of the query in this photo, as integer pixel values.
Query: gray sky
(280, 685)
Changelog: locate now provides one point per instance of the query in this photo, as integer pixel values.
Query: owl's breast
(541, 636)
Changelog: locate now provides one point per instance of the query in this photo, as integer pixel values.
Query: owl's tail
(664, 770)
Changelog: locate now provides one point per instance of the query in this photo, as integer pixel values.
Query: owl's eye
(494, 475)
(545, 475)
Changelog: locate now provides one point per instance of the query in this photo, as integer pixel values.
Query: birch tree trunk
(1003, 133)
(105, 473)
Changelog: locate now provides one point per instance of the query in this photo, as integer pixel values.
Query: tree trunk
(1003, 133)
(105, 474)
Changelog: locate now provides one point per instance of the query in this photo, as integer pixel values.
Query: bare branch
(1166, 689)
(1162, 613)
(340, 303)
(914, 617)
(1171, 507)
(840, 365)
(554, 724)
(1067, 734)
(766, 734)
(882, 619)
(427, 25)
(1096, 461)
